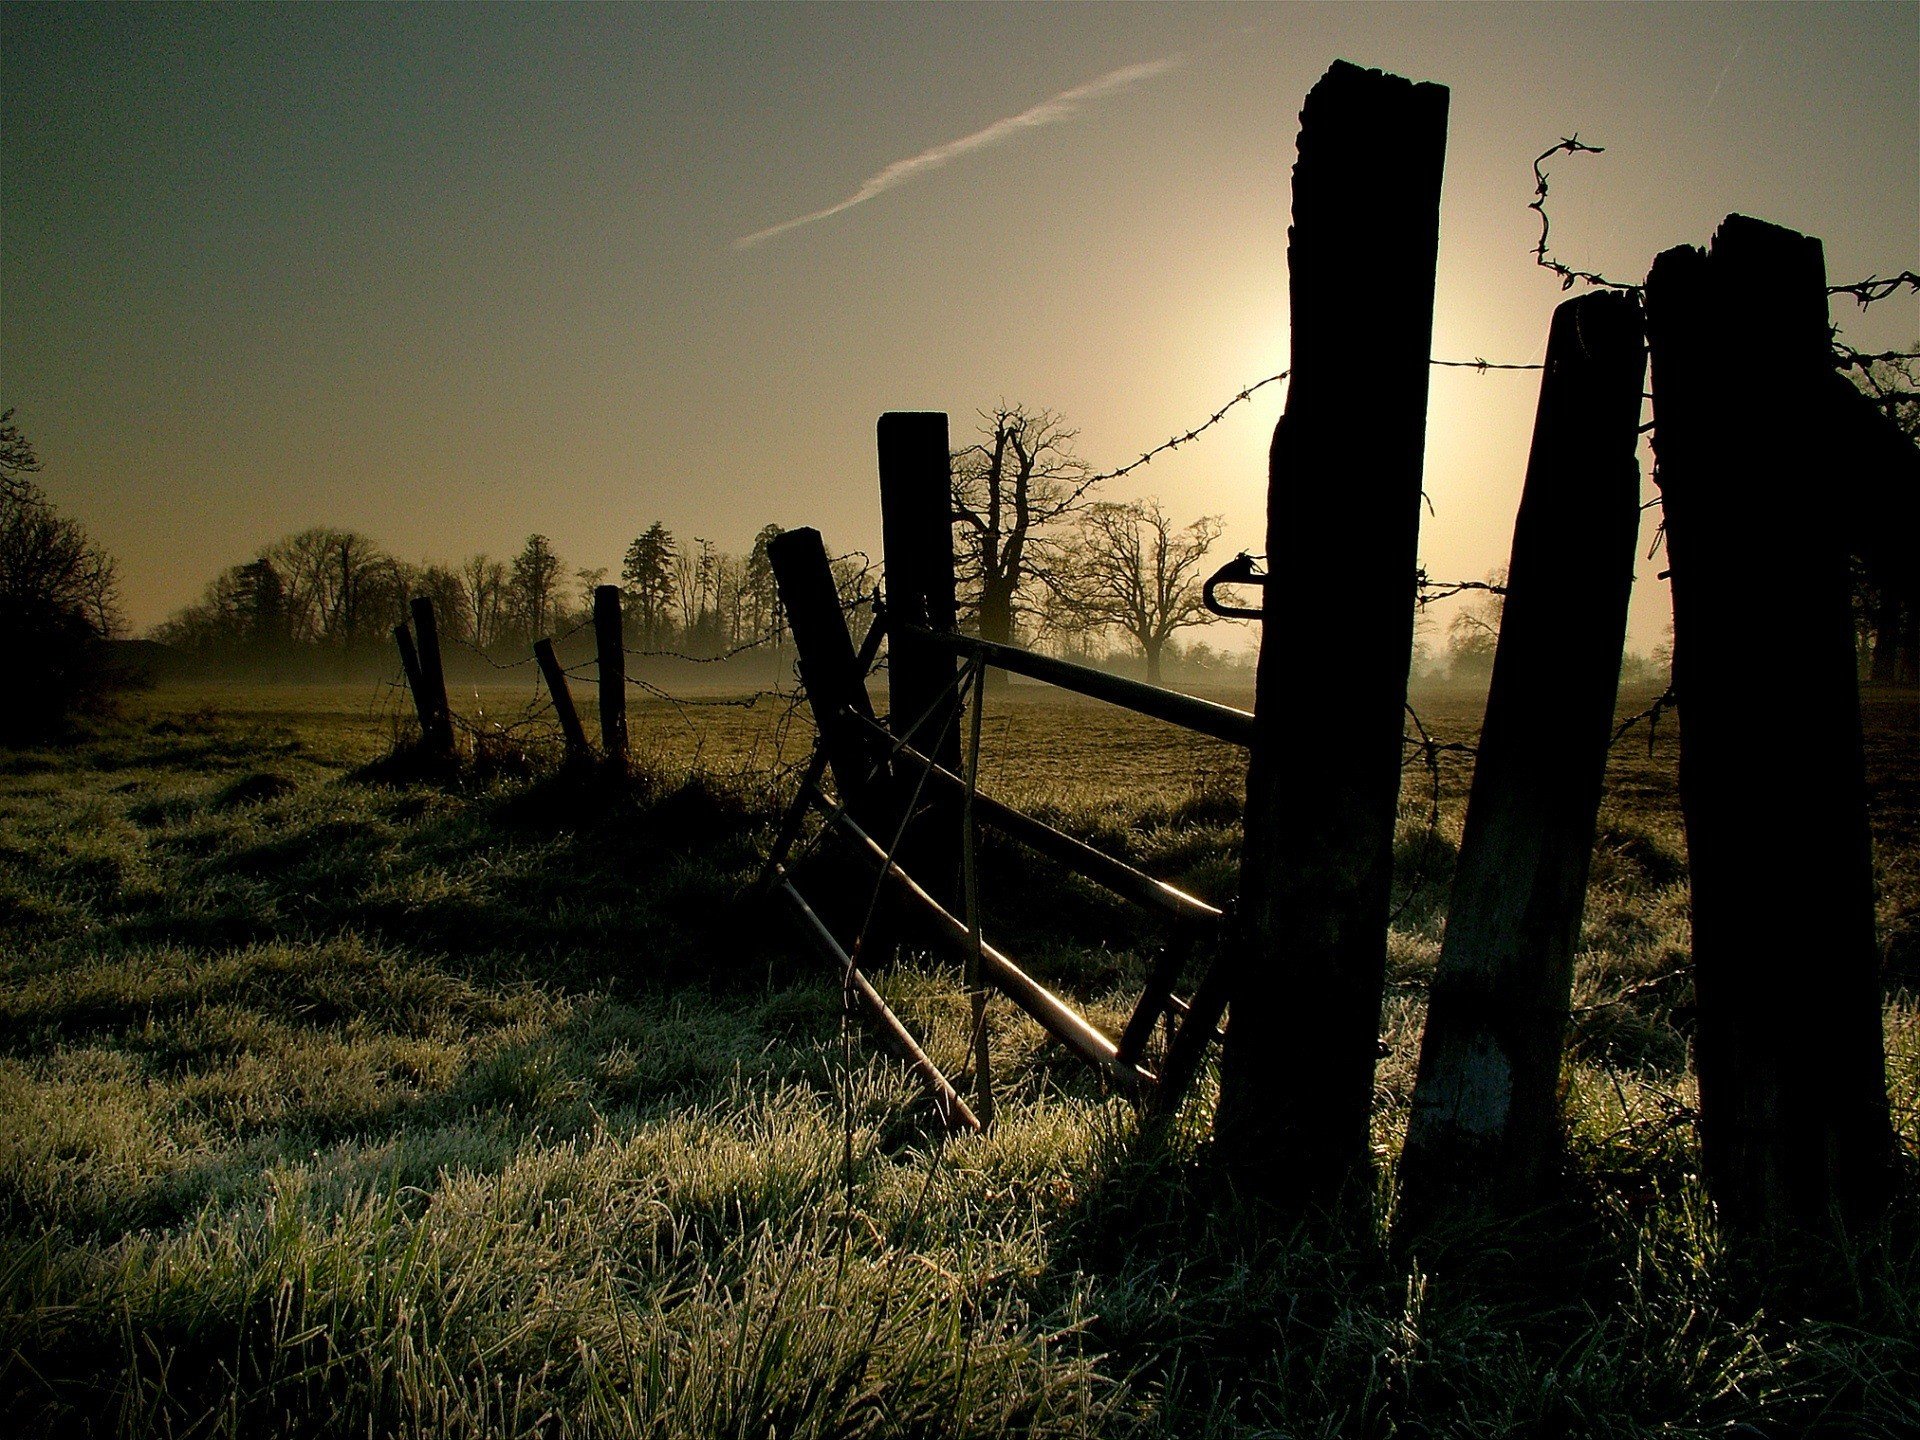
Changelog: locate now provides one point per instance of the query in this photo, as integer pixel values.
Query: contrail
(1047, 112)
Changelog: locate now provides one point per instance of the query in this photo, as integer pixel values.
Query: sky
(451, 274)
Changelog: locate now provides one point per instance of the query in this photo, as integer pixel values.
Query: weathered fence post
(1484, 1135)
(916, 515)
(433, 678)
(831, 671)
(416, 686)
(610, 645)
(563, 707)
(1794, 1124)
(1343, 518)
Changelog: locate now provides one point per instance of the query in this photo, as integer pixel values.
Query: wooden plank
(563, 708)
(1343, 523)
(438, 726)
(916, 515)
(609, 641)
(1484, 1135)
(831, 671)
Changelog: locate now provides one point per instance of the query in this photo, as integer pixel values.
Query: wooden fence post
(416, 686)
(916, 515)
(609, 640)
(1484, 1135)
(831, 671)
(433, 678)
(563, 708)
(1794, 1126)
(1343, 519)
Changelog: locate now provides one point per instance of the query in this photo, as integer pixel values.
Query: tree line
(1040, 557)
(328, 590)
(1039, 560)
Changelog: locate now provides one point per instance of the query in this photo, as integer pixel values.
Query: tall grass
(333, 1104)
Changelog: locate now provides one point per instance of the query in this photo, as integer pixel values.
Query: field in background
(334, 1102)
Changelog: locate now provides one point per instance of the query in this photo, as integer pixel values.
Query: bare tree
(58, 601)
(18, 463)
(331, 577)
(484, 581)
(1130, 570)
(533, 587)
(1474, 632)
(1010, 489)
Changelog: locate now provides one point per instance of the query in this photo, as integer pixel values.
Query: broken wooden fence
(892, 798)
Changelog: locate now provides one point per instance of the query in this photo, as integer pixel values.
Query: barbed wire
(773, 637)
(1427, 592)
(1873, 289)
(1195, 433)
(1569, 275)
(1865, 293)
(1479, 363)
(1668, 699)
(482, 652)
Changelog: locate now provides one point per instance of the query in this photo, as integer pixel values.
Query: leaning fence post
(563, 708)
(1794, 1127)
(1343, 519)
(1484, 1133)
(830, 670)
(433, 678)
(610, 646)
(416, 686)
(916, 517)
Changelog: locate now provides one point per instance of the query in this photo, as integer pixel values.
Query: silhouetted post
(916, 514)
(1794, 1123)
(416, 686)
(563, 708)
(1485, 1135)
(1343, 520)
(433, 678)
(609, 640)
(829, 668)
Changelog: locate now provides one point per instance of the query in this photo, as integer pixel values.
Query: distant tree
(58, 602)
(240, 617)
(340, 587)
(483, 582)
(588, 579)
(647, 576)
(687, 594)
(1885, 606)
(696, 579)
(1011, 490)
(533, 588)
(853, 582)
(1129, 569)
(452, 609)
(766, 618)
(1474, 632)
(18, 464)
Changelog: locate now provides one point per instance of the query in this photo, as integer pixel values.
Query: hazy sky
(450, 274)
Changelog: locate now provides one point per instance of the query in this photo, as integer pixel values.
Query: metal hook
(1237, 571)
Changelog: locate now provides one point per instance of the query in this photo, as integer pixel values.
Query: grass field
(334, 1102)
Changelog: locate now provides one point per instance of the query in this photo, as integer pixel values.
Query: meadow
(339, 1100)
